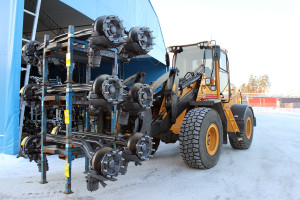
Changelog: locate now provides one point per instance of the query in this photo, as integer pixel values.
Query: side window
(224, 76)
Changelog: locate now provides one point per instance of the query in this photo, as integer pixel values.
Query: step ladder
(28, 67)
(231, 123)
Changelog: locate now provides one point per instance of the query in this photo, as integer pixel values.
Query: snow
(268, 170)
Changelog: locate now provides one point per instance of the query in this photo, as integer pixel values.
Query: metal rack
(69, 149)
(109, 147)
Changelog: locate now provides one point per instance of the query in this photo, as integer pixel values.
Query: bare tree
(256, 85)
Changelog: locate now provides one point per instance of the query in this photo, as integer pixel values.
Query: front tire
(201, 138)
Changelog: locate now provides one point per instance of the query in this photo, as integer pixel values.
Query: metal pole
(68, 111)
(87, 117)
(44, 111)
(114, 112)
(35, 114)
(36, 19)
(31, 113)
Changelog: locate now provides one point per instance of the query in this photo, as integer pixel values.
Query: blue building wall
(11, 21)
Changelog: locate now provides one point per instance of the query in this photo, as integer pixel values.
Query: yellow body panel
(176, 127)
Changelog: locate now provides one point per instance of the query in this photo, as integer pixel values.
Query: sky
(261, 36)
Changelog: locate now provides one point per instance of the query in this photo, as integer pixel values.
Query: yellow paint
(232, 126)
(24, 140)
(217, 79)
(174, 87)
(54, 130)
(67, 116)
(249, 128)
(162, 107)
(68, 59)
(212, 139)
(176, 127)
(21, 91)
(67, 174)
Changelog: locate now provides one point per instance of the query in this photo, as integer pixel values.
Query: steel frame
(69, 149)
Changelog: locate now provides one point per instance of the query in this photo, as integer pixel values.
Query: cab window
(208, 63)
(224, 76)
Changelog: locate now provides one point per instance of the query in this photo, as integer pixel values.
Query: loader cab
(205, 58)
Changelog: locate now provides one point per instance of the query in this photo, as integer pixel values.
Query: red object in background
(262, 101)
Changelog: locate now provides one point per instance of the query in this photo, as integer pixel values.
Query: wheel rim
(212, 139)
(249, 128)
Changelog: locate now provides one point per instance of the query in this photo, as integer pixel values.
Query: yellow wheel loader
(197, 105)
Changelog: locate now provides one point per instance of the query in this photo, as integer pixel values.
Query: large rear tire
(201, 138)
(246, 132)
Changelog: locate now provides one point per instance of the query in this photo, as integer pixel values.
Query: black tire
(244, 141)
(193, 138)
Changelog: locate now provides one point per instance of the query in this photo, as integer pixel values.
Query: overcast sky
(261, 36)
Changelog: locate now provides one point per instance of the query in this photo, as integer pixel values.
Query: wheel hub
(249, 128)
(212, 139)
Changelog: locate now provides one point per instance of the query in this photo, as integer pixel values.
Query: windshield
(189, 60)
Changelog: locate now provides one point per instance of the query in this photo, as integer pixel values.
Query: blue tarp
(132, 12)
(11, 21)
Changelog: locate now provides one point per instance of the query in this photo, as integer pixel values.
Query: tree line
(260, 84)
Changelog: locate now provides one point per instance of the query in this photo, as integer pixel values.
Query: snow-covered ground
(270, 169)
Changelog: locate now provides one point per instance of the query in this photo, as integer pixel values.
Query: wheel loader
(198, 106)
